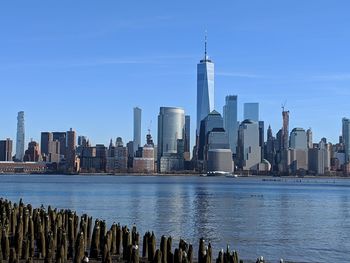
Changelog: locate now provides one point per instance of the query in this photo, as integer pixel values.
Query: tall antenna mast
(205, 45)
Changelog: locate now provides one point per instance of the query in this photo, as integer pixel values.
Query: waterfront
(303, 220)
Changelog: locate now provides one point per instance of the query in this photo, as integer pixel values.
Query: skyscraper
(298, 139)
(251, 111)
(61, 137)
(248, 150)
(205, 88)
(230, 121)
(6, 150)
(187, 133)
(137, 128)
(20, 136)
(46, 138)
(285, 129)
(346, 138)
(309, 138)
(171, 126)
(71, 144)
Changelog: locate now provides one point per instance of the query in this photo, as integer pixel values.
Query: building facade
(171, 128)
(251, 111)
(6, 150)
(346, 138)
(249, 152)
(205, 88)
(137, 128)
(20, 139)
(230, 115)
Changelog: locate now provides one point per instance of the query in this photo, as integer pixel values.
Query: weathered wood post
(95, 242)
(170, 255)
(157, 257)
(164, 248)
(151, 247)
(201, 251)
(145, 245)
(79, 248)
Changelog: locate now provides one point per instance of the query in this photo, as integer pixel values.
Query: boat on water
(220, 173)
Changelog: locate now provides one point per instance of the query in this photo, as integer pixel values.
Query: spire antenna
(205, 45)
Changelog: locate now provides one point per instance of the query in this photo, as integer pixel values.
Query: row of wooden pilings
(35, 234)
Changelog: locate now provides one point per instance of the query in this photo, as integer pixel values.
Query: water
(304, 220)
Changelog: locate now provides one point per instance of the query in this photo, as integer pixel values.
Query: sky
(86, 64)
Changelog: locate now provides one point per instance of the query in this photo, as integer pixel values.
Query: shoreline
(266, 177)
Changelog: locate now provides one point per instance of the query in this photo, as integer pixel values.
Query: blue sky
(86, 64)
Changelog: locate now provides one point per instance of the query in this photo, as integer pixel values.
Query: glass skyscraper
(20, 136)
(251, 111)
(205, 88)
(346, 138)
(230, 121)
(137, 128)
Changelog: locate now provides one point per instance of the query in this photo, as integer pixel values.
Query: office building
(145, 163)
(230, 113)
(298, 139)
(270, 147)
(346, 138)
(171, 126)
(309, 138)
(71, 151)
(187, 134)
(20, 140)
(261, 137)
(251, 111)
(32, 154)
(298, 151)
(248, 150)
(61, 137)
(205, 88)
(214, 120)
(6, 150)
(137, 128)
(46, 138)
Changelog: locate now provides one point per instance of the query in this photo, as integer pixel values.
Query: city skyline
(94, 66)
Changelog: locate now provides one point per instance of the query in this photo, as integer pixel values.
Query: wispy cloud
(93, 62)
(332, 77)
(240, 75)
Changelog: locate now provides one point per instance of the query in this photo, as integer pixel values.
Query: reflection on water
(306, 220)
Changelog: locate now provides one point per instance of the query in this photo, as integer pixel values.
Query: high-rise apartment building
(251, 111)
(230, 113)
(205, 88)
(137, 128)
(20, 140)
(6, 150)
